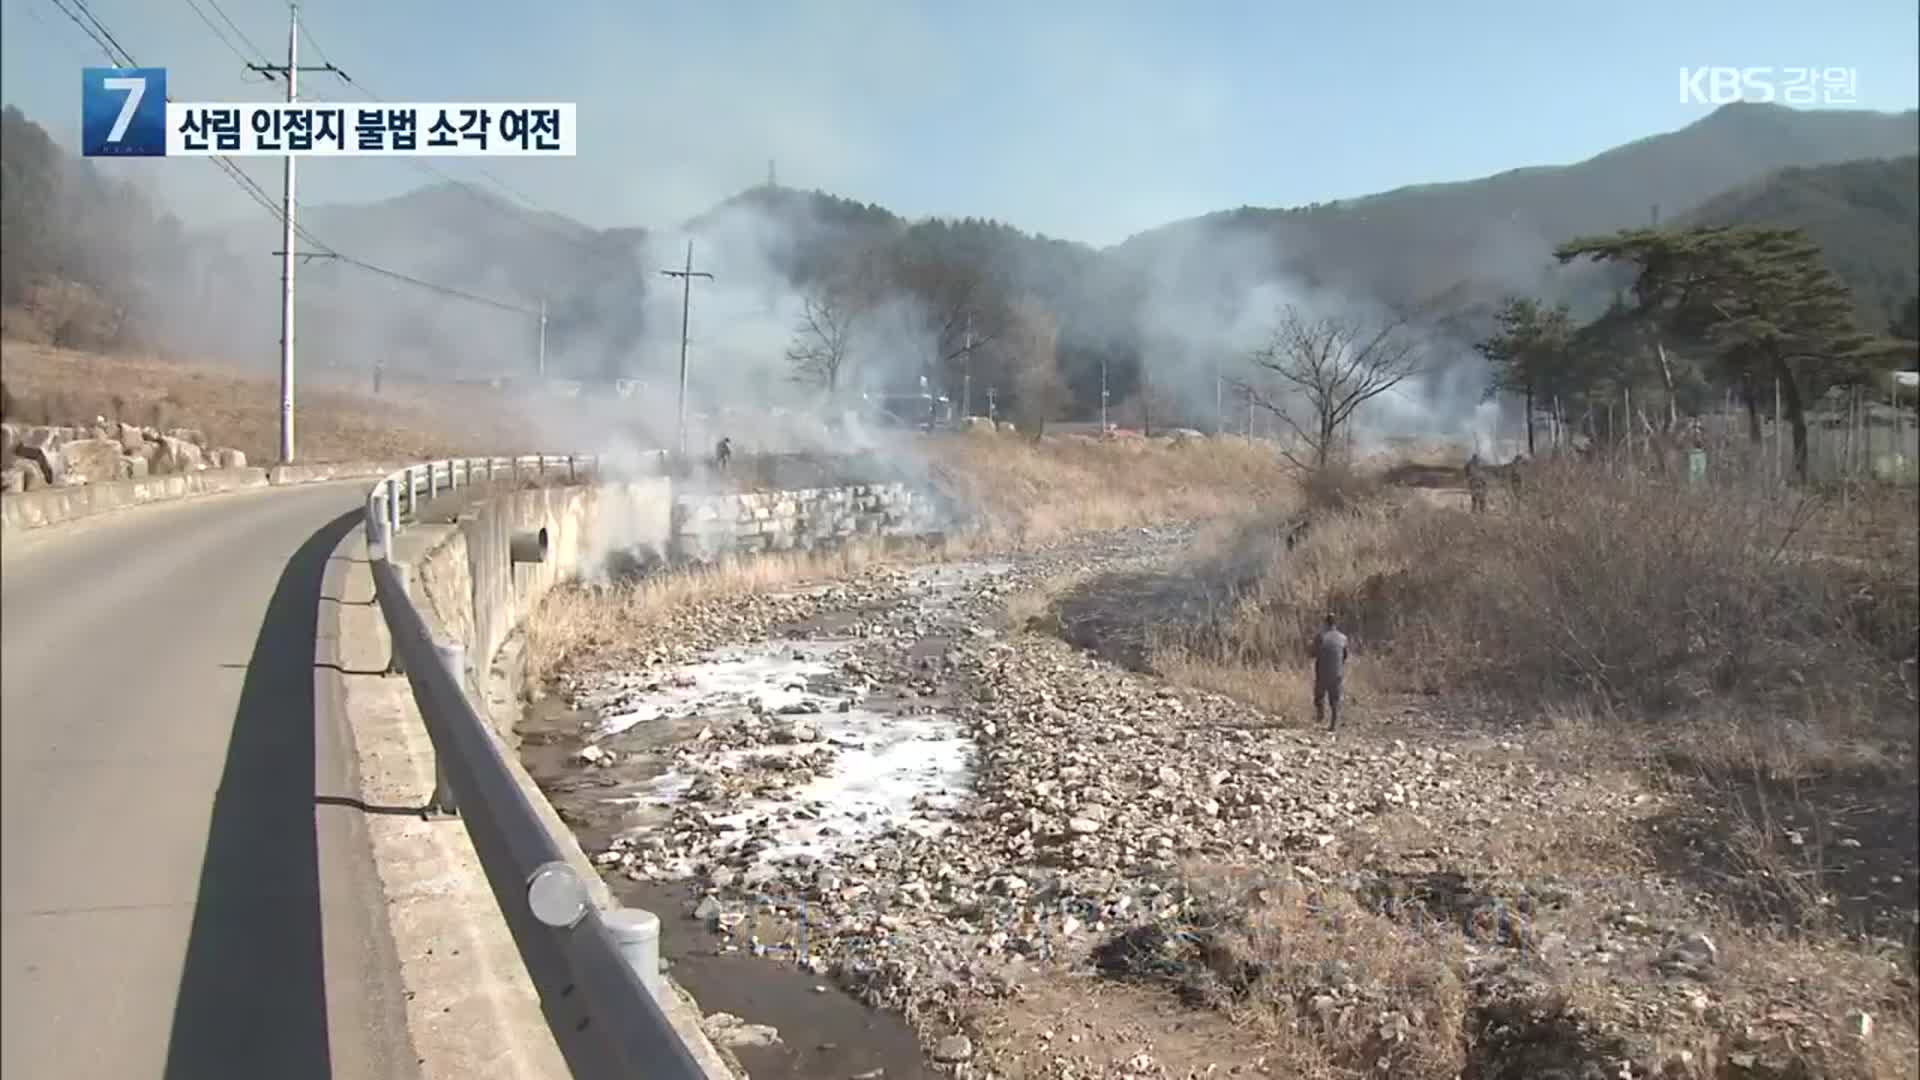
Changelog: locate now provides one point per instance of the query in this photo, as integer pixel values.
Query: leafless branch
(1333, 366)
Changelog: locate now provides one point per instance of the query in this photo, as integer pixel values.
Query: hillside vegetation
(89, 264)
(1865, 215)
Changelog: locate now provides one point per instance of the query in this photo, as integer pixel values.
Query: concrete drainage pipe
(529, 546)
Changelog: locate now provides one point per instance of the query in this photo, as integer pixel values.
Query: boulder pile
(42, 456)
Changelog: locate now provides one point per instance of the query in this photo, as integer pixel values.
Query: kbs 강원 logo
(123, 112)
(1792, 85)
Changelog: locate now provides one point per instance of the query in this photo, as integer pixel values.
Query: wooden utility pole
(291, 71)
(542, 361)
(966, 376)
(686, 276)
(1103, 395)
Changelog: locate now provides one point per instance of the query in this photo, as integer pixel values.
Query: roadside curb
(472, 1010)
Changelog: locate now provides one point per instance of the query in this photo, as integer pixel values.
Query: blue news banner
(124, 112)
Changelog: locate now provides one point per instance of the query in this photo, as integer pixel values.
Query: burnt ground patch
(1840, 850)
(1121, 617)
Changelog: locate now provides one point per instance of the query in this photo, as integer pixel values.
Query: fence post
(403, 574)
(453, 658)
(637, 933)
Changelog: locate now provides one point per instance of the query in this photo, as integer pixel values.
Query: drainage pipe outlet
(529, 546)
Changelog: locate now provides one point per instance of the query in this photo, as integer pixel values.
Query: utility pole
(686, 277)
(966, 374)
(287, 251)
(543, 337)
(1219, 401)
(1103, 397)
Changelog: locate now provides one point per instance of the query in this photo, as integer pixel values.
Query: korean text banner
(328, 129)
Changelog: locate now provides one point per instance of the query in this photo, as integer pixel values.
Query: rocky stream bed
(876, 817)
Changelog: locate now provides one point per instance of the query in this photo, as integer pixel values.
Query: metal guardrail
(596, 971)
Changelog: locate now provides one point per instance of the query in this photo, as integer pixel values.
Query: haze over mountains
(1176, 301)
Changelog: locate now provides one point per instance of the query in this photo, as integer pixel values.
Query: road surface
(188, 891)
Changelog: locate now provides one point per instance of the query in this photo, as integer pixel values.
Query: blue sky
(1085, 120)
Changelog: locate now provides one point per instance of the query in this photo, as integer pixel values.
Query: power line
(217, 32)
(88, 12)
(112, 56)
(55, 33)
(442, 289)
(239, 33)
(252, 190)
(487, 174)
(317, 50)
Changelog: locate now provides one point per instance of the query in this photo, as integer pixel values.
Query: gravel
(1054, 804)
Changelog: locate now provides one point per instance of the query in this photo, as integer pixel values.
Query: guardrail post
(540, 466)
(393, 514)
(572, 477)
(413, 495)
(403, 574)
(453, 657)
(433, 481)
(638, 934)
(377, 533)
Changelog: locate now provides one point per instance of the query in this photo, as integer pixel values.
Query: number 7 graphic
(136, 88)
(123, 112)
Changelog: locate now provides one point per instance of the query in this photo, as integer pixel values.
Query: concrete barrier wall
(469, 589)
(465, 584)
(57, 505)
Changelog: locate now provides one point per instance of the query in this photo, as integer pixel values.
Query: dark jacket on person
(1329, 656)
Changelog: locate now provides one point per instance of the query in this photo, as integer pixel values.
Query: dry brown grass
(1639, 596)
(1324, 980)
(1770, 633)
(408, 422)
(1014, 493)
(1406, 1021)
(577, 624)
(1034, 493)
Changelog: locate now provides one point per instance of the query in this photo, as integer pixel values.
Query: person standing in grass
(1329, 653)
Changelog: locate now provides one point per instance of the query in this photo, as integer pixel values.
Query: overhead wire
(118, 54)
(512, 192)
(219, 33)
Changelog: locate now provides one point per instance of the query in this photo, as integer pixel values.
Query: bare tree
(830, 312)
(1323, 370)
(1032, 346)
(1149, 408)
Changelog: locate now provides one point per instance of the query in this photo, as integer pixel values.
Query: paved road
(185, 894)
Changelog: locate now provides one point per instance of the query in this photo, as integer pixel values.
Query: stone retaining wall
(708, 527)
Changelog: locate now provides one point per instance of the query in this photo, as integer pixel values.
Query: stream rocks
(1092, 801)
